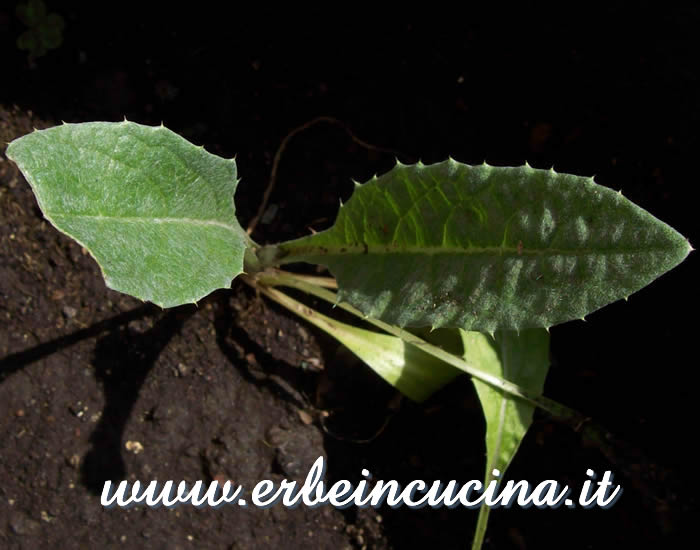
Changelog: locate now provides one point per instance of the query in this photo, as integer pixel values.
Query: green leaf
(522, 358)
(154, 210)
(412, 371)
(31, 13)
(483, 247)
(28, 41)
(51, 31)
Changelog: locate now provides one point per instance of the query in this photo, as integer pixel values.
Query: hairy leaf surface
(483, 247)
(154, 210)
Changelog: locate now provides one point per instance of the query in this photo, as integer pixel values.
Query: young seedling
(461, 268)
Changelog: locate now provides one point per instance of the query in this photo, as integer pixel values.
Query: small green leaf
(28, 41)
(486, 248)
(522, 358)
(31, 13)
(154, 210)
(412, 371)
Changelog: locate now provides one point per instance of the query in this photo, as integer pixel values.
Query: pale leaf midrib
(319, 251)
(501, 414)
(147, 219)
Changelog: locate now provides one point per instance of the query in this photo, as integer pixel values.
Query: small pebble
(305, 417)
(134, 446)
(69, 312)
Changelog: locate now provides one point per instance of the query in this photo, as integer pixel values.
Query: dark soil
(95, 385)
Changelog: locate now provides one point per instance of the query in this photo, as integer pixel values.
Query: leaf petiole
(271, 278)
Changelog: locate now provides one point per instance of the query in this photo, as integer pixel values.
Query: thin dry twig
(278, 155)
